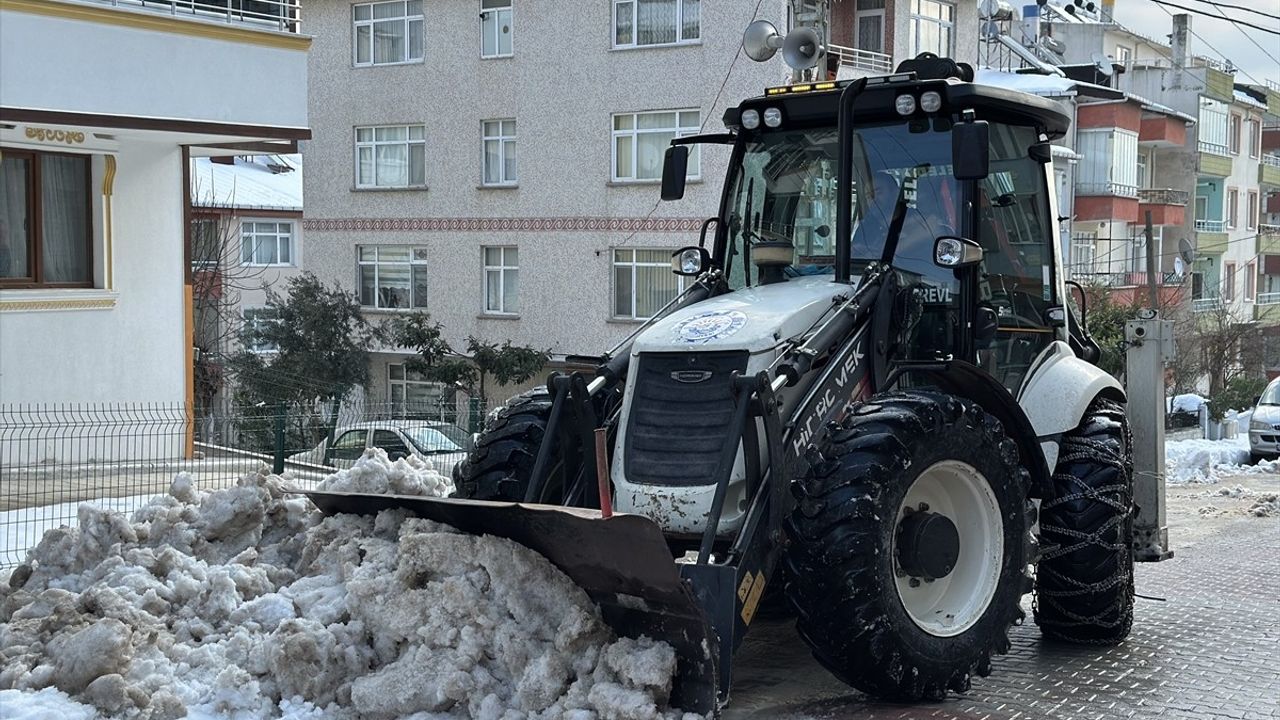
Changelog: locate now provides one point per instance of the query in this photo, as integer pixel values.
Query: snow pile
(1187, 403)
(375, 473)
(1195, 461)
(1266, 506)
(1237, 491)
(246, 603)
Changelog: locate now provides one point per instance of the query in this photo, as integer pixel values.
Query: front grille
(681, 409)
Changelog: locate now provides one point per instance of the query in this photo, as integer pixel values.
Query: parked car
(1264, 424)
(438, 444)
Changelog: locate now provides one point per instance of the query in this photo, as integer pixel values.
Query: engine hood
(753, 319)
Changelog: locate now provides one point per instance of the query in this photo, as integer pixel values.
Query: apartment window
(932, 26)
(408, 389)
(501, 280)
(495, 28)
(255, 320)
(499, 152)
(1123, 54)
(392, 156)
(1250, 281)
(1228, 281)
(1251, 211)
(1253, 129)
(637, 23)
(387, 33)
(392, 276)
(642, 282)
(46, 230)
(1233, 208)
(871, 25)
(1233, 136)
(266, 243)
(640, 141)
(1083, 251)
(1142, 170)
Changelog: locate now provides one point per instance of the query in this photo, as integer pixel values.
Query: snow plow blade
(622, 562)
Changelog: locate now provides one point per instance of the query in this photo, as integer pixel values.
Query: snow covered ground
(246, 603)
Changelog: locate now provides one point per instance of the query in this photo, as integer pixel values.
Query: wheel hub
(928, 545)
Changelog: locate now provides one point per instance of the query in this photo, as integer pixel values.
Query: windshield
(785, 189)
(431, 440)
(1271, 396)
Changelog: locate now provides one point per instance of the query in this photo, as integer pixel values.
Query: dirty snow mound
(247, 603)
(1266, 506)
(1237, 491)
(1194, 461)
(375, 473)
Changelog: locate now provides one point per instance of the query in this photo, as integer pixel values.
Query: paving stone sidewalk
(1208, 650)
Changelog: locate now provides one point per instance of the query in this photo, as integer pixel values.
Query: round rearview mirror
(690, 260)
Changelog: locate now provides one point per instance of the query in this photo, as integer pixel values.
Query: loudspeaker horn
(802, 48)
(761, 40)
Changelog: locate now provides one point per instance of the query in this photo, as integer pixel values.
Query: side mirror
(971, 150)
(675, 169)
(950, 251)
(692, 260)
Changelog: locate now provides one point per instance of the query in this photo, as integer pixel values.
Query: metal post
(277, 464)
(1149, 342)
(1152, 267)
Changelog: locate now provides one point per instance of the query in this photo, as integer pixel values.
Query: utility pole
(1149, 345)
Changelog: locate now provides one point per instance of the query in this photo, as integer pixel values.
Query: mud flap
(622, 562)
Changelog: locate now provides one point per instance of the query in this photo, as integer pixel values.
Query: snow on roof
(1248, 99)
(260, 182)
(1036, 84)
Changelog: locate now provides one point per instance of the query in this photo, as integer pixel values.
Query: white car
(438, 444)
(1264, 424)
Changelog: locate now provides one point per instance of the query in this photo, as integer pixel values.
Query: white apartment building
(495, 162)
(101, 106)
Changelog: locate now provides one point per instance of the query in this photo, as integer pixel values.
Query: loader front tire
(500, 465)
(909, 545)
(1084, 582)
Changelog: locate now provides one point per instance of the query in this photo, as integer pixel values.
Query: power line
(1162, 3)
(1239, 7)
(1245, 34)
(1215, 17)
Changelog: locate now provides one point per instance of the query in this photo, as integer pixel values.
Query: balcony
(1167, 206)
(1163, 131)
(1268, 239)
(1266, 307)
(1269, 170)
(1206, 304)
(1214, 160)
(283, 15)
(862, 60)
(1211, 226)
(1127, 279)
(1211, 237)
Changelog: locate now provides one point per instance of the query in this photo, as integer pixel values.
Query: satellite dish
(1102, 64)
(761, 40)
(802, 48)
(990, 30)
(1186, 252)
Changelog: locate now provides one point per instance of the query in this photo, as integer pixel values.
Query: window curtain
(13, 217)
(65, 215)
(657, 22)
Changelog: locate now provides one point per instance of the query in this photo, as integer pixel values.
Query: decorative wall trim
(108, 187)
(478, 224)
(143, 20)
(100, 303)
(55, 135)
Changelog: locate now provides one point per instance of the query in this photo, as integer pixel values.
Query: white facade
(95, 296)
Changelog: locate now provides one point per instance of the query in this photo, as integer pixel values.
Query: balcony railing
(1163, 196)
(1107, 188)
(1268, 298)
(1272, 160)
(1214, 148)
(1268, 229)
(862, 59)
(1206, 304)
(1126, 279)
(282, 15)
(1215, 226)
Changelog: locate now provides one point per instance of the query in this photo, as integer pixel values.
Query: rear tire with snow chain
(909, 545)
(1084, 583)
(500, 465)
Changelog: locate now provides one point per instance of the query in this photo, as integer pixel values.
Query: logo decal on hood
(710, 325)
